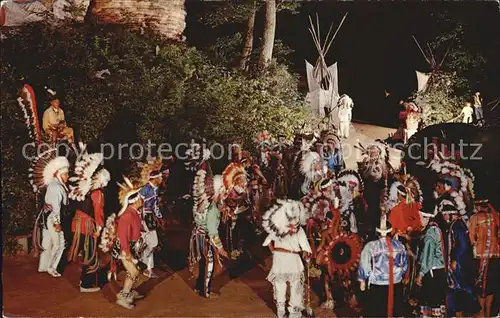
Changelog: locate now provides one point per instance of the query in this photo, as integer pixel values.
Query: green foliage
(227, 51)
(229, 12)
(441, 102)
(461, 66)
(238, 11)
(172, 96)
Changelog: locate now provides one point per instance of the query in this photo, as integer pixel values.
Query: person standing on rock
(478, 108)
(287, 240)
(467, 112)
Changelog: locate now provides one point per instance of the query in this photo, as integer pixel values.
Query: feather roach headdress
(44, 169)
(146, 168)
(128, 194)
(285, 214)
(89, 175)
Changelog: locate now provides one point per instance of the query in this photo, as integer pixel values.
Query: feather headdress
(231, 175)
(148, 167)
(413, 190)
(27, 102)
(127, 194)
(351, 177)
(88, 176)
(449, 169)
(195, 155)
(309, 160)
(206, 190)
(45, 167)
(283, 215)
(375, 161)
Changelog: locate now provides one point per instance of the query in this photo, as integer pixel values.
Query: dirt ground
(244, 293)
(244, 289)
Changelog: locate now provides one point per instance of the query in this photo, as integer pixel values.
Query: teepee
(425, 80)
(322, 79)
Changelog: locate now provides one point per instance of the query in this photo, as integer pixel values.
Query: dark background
(374, 48)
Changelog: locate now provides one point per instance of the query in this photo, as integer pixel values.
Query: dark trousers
(377, 301)
(92, 277)
(206, 271)
(97, 278)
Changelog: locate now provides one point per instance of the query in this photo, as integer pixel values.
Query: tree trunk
(89, 15)
(248, 45)
(266, 48)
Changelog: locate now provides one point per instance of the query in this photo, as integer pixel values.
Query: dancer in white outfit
(287, 240)
(345, 105)
(51, 172)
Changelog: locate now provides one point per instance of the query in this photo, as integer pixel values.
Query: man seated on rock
(54, 124)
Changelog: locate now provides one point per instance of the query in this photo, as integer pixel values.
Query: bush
(170, 96)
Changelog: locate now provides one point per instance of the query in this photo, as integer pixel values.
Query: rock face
(165, 16)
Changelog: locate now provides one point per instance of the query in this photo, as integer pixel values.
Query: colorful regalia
(383, 263)
(205, 244)
(287, 240)
(122, 237)
(151, 178)
(460, 297)
(48, 171)
(432, 273)
(90, 179)
(234, 201)
(484, 233)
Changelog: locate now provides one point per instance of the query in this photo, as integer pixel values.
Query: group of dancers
(322, 221)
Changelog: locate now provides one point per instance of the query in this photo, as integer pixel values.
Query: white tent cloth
(422, 79)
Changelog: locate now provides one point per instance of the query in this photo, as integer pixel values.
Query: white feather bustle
(309, 159)
(108, 235)
(278, 219)
(84, 177)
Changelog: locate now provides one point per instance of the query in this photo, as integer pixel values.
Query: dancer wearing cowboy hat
(383, 263)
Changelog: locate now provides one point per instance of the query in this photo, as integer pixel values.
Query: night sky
(374, 48)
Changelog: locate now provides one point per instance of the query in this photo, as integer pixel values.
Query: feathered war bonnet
(89, 175)
(351, 178)
(283, 216)
(195, 156)
(206, 190)
(46, 167)
(307, 164)
(231, 176)
(128, 194)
